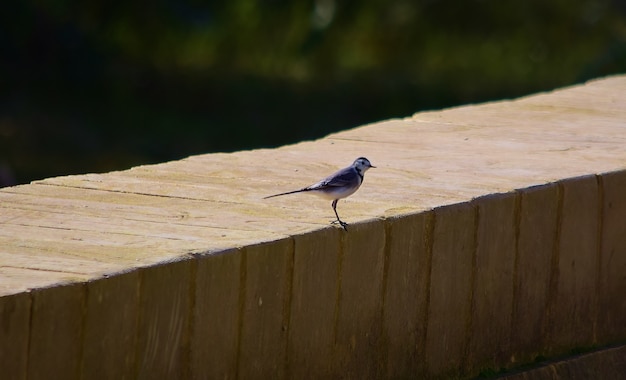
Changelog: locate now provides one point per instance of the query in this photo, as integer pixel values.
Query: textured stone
(607, 363)
(492, 308)
(314, 304)
(407, 278)
(449, 309)
(56, 332)
(359, 317)
(110, 337)
(217, 315)
(164, 316)
(573, 305)
(14, 333)
(265, 319)
(536, 244)
(611, 324)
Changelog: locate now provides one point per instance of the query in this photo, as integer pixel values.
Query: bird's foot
(343, 224)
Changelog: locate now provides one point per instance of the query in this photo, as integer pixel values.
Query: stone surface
(265, 320)
(407, 280)
(612, 277)
(14, 334)
(492, 307)
(164, 319)
(314, 304)
(217, 315)
(607, 363)
(56, 330)
(359, 316)
(449, 311)
(423, 282)
(110, 336)
(536, 244)
(573, 306)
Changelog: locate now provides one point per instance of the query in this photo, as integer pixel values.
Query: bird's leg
(343, 224)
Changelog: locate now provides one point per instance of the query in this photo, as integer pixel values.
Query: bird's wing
(344, 177)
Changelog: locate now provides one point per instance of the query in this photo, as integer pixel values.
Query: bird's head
(361, 164)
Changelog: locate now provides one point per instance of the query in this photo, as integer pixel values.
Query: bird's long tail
(287, 193)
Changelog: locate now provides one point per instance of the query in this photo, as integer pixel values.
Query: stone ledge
(607, 363)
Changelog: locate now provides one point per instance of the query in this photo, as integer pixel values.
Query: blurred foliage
(101, 85)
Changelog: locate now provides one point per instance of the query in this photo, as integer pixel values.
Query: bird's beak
(372, 166)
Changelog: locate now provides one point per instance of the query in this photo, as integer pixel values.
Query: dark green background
(93, 86)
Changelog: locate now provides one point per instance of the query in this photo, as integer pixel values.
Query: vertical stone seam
(242, 304)
(553, 288)
(136, 361)
(340, 254)
(287, 300)
(469, 318)
(31, 308)
(31, 323)
(517, 217)
(188, 370)
(383, 349)
(599, 258)
(84, 289)
(428, 241)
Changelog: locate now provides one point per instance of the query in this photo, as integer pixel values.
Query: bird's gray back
(344, 177)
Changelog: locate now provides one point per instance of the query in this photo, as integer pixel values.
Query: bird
(339, 185)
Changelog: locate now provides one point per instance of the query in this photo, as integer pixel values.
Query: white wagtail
(340, 185)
